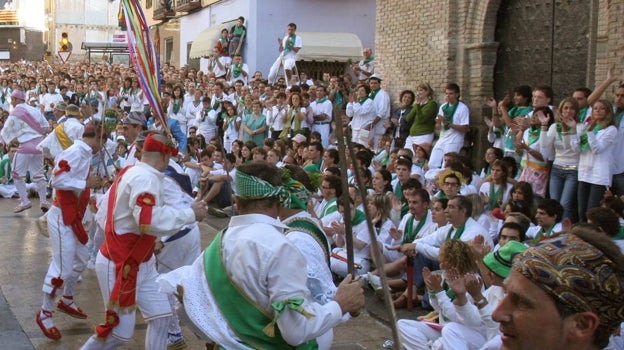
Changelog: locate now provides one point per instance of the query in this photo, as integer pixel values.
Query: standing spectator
(563, 140)
(535, 157)
(400, 125)
(361, 110)
(322, 113)
(453, 118)
(366, 67)
(422, 119)
(254, 124)
(381, 101)
(288, 48)
(597, 139)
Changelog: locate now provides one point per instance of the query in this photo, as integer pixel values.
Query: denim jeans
(589, 196)
(563, 188)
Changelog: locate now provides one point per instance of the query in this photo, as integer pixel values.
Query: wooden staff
(344, 145)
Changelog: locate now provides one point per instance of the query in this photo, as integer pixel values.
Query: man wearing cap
(59, 111)
(564, 293)
(265, 302)
(381, 101)
(125, 265)
(64, 134)
(133, 124)
(71, 181)
(27, 125)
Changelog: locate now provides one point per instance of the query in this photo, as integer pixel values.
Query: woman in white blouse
(596, 142)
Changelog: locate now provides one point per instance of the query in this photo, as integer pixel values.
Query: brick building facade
(463, 41)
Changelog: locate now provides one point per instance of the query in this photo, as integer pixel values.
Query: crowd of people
(122, 193)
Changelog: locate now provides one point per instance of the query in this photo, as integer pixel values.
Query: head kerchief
(251, 187)
(578, 275)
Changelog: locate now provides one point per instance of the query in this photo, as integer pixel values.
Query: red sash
(127, 251)
(73, 210)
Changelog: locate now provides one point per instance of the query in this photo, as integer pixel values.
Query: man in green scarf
(248, 289)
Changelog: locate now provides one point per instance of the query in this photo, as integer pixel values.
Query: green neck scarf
(369, 60)
(449, 113)
(373, 94)
(542, 234)
(362, 100)
(496, 197)
(534, 134)
(457, 234)
(398, 190)
(583, 114)
(410, 232)
(321, 100)
(176, 106)
(585, 139)
(236, 70)
(618, 118)
(291, 40)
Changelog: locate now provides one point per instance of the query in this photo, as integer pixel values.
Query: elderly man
(366, 67)
(264, 302)
(564, 293)
(125, 265)
(27, 125)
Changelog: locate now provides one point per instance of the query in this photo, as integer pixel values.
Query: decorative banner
(64, 55)
(144, 58)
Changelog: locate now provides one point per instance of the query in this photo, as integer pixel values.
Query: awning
(329, 46)
(207, 39)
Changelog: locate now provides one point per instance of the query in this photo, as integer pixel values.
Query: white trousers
(436, 160)
(69, 256)
(180, 252)
(456, 336)
(149, 300)
(416, 335)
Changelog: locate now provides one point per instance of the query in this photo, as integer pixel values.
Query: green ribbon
(321, 100)
(176, 106)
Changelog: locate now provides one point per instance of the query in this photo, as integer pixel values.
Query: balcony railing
(160, 14)
(187, 5)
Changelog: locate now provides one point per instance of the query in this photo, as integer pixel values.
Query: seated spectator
(548, 217)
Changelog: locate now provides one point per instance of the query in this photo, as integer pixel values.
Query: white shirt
(596, 163)
(430, 245)
(78, 156)
(461, 117)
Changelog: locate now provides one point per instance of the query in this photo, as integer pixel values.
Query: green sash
(245, 318)
(584, 140)
(307, 226)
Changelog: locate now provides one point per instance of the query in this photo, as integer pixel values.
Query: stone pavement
(24, 259)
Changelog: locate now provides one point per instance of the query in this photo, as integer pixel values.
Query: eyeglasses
(451, 184)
